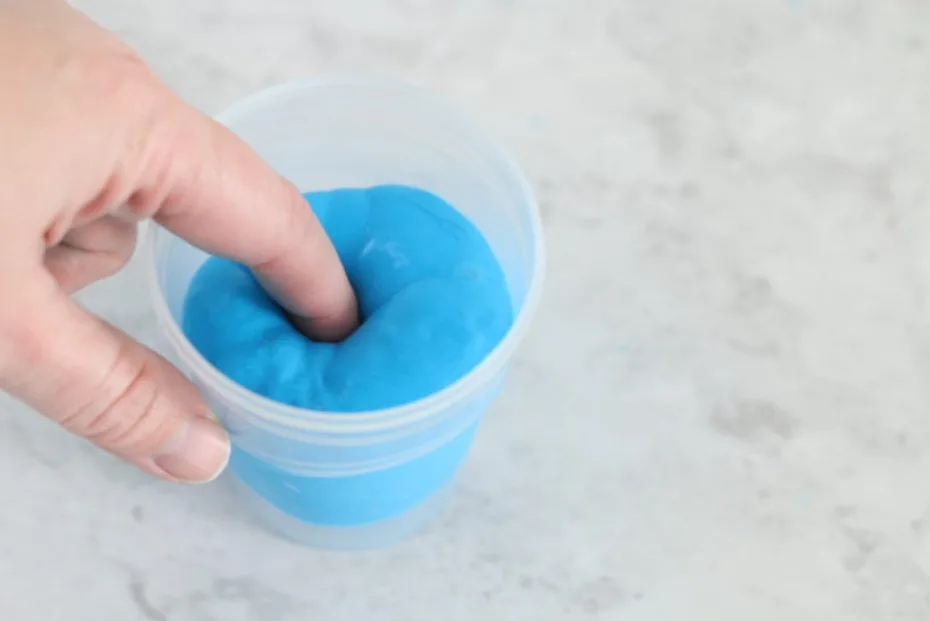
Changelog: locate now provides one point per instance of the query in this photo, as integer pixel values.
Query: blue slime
(433, 302)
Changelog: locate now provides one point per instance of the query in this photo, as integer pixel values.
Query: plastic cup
(362, 479)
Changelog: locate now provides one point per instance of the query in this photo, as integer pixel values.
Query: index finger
(224, 199)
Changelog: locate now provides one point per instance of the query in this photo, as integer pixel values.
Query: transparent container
(358, 480)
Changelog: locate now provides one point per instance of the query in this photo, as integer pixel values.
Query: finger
(97, 382)
(91, 252)
(225, 199)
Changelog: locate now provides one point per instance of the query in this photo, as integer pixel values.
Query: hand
(90, 143)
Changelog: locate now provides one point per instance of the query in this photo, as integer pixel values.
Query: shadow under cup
(362, 479)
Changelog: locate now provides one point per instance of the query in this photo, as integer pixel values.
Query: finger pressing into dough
(226, 200)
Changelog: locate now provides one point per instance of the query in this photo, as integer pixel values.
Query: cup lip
(264, 410)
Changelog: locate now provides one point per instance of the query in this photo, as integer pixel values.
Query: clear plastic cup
(357, 480)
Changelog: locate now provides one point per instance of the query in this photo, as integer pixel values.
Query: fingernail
(198, 453)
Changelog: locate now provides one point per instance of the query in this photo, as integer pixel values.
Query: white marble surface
(723, 409)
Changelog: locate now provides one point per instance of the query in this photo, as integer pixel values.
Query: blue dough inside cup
(434, 303)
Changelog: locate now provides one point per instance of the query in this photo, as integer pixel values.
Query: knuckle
(93, 409)
(130, 417)
(139, 106)
(145, 201)
(111, 74)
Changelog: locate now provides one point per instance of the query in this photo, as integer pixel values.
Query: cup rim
(265, 410)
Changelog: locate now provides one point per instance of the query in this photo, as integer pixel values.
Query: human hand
(90, 143)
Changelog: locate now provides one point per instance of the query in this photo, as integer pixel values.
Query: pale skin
(91, 142)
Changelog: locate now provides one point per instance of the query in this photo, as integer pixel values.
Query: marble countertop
(723, 409)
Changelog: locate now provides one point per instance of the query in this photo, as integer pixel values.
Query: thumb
(100, 384)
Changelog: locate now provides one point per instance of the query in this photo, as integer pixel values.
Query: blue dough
(434, 303)
(432, 297)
